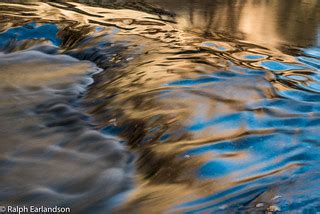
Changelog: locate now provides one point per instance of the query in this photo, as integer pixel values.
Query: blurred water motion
(158, 106)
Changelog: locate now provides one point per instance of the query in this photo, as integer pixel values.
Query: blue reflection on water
(280, 66)
(313, 52)
(253, 57)
(279, 145)
(310, 61)
(228, 120)
(31, 31)
(214, 45)
(190, 82)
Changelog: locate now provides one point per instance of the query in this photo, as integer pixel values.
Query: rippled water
(160, 106)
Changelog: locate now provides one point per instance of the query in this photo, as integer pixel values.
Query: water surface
(158, 106)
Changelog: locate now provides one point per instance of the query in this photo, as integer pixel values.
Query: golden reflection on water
(271, 23)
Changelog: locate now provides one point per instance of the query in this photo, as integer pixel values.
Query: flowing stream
(160, 106)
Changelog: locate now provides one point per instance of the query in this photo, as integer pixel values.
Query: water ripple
(211, 122)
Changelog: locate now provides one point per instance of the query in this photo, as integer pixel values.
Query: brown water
(160, 106)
